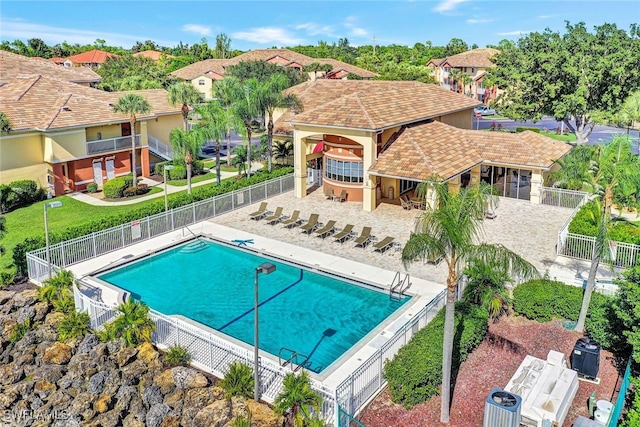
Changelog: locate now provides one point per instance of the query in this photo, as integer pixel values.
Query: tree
(451, 230)
(216, 124)
(261, 70)
(223, 91)
(184, 94)
(486, 287)
(455, 46)
(133, 324)
(283, 149)
(246, 105)
(5, 123)
(630, 111)
(272, 96)
(296, 399)
(578, 77)
(238, 380)
(223, 46)
(187, 144)
(627, 309)
(129, 72)
(132, 104)
(3, 231)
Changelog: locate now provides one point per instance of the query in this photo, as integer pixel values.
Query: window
(473, 70)
(339, 170)
(201, 82)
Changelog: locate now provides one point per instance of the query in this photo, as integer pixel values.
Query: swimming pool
(312, 314)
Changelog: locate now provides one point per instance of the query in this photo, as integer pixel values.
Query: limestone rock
(83, 405)
(152, 395)
(147, 353)
(165, 381)
(132, 420)
(6, 296)
(157, 414)
(215, 414)
(107, 419)
(126, 355)
(87, 344)
(24, 313)
(96, 382)
(27, 297)
(170, 421)
(51, 373)
(103, 404)
(43, 388)
(175, 400)
(187, 378)
(10, 374)
(132, 372)
(53, 318)
(263, 415)
(58, 354)
(41, 309)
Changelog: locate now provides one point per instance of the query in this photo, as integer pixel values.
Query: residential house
(12, 64)
(379, 139)
(66, 135)
(91, 59)
(154, 55)
(203, 74)
(474, 64)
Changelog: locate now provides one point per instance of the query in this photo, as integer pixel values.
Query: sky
(265, 24)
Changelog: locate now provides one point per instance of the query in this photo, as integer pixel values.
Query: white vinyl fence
(578, 246)
(99, 243)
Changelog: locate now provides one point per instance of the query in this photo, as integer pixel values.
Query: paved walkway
(91, 200)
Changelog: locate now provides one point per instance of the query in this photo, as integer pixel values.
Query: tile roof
(153, 54)
(200, 68)
(12, 65)
(425, 150)
(473, 58)
(45, 103)
(267, 54)
(94, 56)
(339, 65)
(370, 104)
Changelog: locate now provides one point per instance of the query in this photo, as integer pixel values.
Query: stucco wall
(64, 146)
(206, 88)
(461, 119)
(106, 131)
(161, 127)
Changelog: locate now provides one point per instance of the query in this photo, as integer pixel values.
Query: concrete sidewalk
(90, 200)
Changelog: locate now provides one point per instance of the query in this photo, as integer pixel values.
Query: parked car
(484, 110)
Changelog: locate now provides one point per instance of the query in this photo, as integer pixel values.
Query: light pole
(166, 198)
(266, 268)
(46, 231)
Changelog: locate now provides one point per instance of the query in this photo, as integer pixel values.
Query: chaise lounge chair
(406, 203)
(328, 193)
(329, 228)
(345, 234)
(364, 238)
(260, 213)
(311, 225)
(276, 217)
(384, 245)
(342, 197)
(293, 221)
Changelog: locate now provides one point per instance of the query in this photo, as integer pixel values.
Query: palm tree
(246, 105)
(187, 144)
(283, 149)
(486, 288)
(630, 111)
(272, 97)
(240, 158)
(5, 123)
(132, 104)
(215, 124)
(223, 91)
(133, 324)
(455, 75)
(465, 79)
(183, 93)
(296, 399)
(57, 287)
(451, 230)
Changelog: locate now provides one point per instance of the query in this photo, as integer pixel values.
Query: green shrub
(92, 188)
(178, 172)
(177, 355)
(18, 194)
(523, 128)
(135, 213)
(136, 191)
(619, 232)
(415, 373)
(73, 325)
(238, 381)
(20, 330)
(197, 167)
(543, 300)
(158, 169)
(242, 421)
(114, 188)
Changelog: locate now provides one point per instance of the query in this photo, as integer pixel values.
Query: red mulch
(492, 365)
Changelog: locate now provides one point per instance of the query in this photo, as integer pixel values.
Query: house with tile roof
(378, 140)
(203, 74)
(154, 55)
(12, 64)
(473, 63)
(66, 135)
(91, 59)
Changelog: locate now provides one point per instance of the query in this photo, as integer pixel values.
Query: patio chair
(342, 197)
(345, 234)
(328, 193)
(364, 238)
(406, 203)
(383, 245)
(276, 217)
(311, 225)
(260, 213)
(293, 221)
(329, 228)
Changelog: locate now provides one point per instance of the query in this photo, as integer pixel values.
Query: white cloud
(350, 22)
(314, 29)
(546, 16)
(23, 30)
(267, 35)
(479, 21)
(197, 28)
(359, 32)
(514, 33)
(447, 5)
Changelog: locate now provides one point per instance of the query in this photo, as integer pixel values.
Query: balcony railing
(111, 144)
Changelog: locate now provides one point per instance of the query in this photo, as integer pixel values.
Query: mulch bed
(491, 365)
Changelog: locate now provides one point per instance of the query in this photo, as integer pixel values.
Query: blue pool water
(312, 314)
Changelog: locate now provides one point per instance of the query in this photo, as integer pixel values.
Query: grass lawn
(199, 178)
(152, 190)
(211, 164)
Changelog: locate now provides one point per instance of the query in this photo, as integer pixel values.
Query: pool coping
(421, 290)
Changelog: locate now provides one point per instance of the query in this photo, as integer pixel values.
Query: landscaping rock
(58, 354)
(96, 383)
(6, 296)
(125, 355)
(152, 395)
(87, 344)
(157, 414)
(147, 353)
(165, 381)
(187, 378)
(103, 404)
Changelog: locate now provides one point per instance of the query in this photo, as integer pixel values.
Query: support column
(454, 185)
(475, 176)
(537, 181)
(144, 162)
(369, 184)
(299, 166)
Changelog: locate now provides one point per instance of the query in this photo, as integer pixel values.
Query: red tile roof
(153, 54)
(94, 56)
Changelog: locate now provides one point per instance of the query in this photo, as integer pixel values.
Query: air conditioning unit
(585, 358)
(502, 409)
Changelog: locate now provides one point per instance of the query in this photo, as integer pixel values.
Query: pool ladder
(399, 286)
(295, 359)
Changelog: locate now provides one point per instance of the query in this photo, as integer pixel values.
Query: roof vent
(65, 109)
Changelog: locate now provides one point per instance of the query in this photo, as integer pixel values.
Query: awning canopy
(319, 148)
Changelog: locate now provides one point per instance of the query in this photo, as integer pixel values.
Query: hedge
(522, 129)
(175, 200)
(619, 232)
(114, 188)
(415, 373)
(18, 194)
(543, 300)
